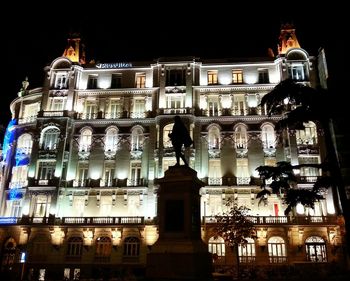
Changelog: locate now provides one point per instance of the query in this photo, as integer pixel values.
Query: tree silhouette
(298, 104)
(235, 227)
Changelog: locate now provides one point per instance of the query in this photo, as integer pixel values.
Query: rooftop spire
(74, 50)
(287, 39)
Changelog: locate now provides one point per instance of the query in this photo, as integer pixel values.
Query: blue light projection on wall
(15, 194)
(21, 158)
(8, 139)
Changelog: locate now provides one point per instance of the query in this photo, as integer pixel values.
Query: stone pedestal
(179, 253)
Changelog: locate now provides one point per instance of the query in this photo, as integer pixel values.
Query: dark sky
(34, 36)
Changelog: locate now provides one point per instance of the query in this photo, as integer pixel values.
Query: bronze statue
(180, 136)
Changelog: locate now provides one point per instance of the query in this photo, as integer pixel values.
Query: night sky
(34, 36)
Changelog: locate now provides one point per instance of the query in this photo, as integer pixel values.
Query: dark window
(263, 76)
(176, 77)
(92, 82)
(116, 81)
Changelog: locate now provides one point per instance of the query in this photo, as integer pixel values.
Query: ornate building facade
(78, 185)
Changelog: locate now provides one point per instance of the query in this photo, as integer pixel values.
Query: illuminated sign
(8, 220)
(23, 257)
(114, 65)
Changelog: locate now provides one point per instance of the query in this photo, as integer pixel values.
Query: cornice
(84, 93)
(236, 88)
(146, 121)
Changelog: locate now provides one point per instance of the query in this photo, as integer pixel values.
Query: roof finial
(23, 90)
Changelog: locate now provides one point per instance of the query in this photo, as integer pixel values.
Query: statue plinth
(179, 253)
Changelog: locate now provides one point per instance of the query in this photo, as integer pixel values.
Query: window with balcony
(237, 76)
(50, 138)
(136, 139)
(138, 108)
(243, 176)
(42, 205)
(90, 111)
(92, 82)
(115, 109)
(109, 174)
(268, 136)
(116, 81)
(61, 81)
(308, 136)
(239, 105)
(74, 247)
(241, 137)
(82, 174)
(30, 112)
(19, 176)
(111, 140)
(309, 174)
(246, 252)
(57, 103)
(296, 72)
(277, 250)
(140, 80)
(214, 173)
(131, 247)
(263, 76)
(46, 170)
(315, 249)
(214, 108)
(212, 77)
(135, 173)
(214, 138)
(24, 144)
(175, 102)
(85, 140)
(15, 208)
(216, 246)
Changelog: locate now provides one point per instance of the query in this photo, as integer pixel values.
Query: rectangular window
(42, 206)
(214, 106)
(90, 110)
(116, 81)
(46, 170)
(19, 176)
(135, 174)
(263, 76)
(239, 105)
(138, 108)
(140, 80)
(237, 76)
(82, 174)
(30, 112)
(176, 77)
(115, 109)
(214, 172)
(175, 101)
(92, 82)
(109, 175)
(296, 72)
(61, 81)
(58, 104)
(212, 77)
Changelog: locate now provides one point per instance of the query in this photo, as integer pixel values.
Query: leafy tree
(299, 104)
(235, 227)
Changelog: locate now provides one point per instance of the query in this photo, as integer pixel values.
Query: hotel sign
(114, 65)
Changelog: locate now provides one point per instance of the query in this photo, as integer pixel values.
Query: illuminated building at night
(83, 152)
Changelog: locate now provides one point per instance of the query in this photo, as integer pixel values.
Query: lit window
(85, 140)
(308, 136)
(212, 77)
(241, 138)
(217, 247)
(237, 76)
(136, 139)
(214, 138)
(296, 72)
(246, 252)
(61, 81)
(131, 247)
(46, 170)
(24, 144)
(135, 173)
(268, 136)
(214, 108)
(140, 80)
(277, 250)
(49, 138)
(315, 249)
(138, 108)
(111, 140)
(58, 104)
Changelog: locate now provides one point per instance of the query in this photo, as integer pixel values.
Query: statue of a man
(23, 90)
(180, 136)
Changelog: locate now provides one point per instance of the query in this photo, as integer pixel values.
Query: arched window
(24, 144)
(315, 249)
(137, 139)
(85, 140)
(166, 131)
(103, 246)
(131, 247)
(214, 138)
(277, 250)
(268, 136)
(308, 136)
(111, 140)
(217, 247)
(241, 138)
(49, 138)
(75, 247)
(246, 252)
